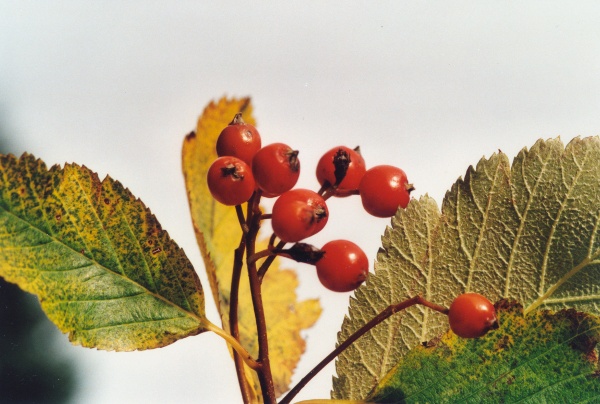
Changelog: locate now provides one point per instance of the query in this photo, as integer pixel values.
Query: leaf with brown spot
(529, 231)
(543, 357)
(104, 270)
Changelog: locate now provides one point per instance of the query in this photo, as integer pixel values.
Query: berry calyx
(471, 315)
(239, 139)
(230, 181)
(343, 267)
(303, 252)
(298, 214)
(276, 169)
(343, 168)
(383, 189)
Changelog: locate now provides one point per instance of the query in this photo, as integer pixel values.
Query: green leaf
(529, 232)
(544, 357)
(104, 270)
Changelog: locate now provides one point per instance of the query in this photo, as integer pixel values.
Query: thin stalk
(265, 376)
(384, 315)
(262, 270)
(261, 254)
(233, 319)
(247, 358)
(240, 214)
(238, 263)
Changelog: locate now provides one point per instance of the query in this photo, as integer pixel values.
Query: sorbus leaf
(104, 270)
(218, 234)
(546, 355)
(530, 232)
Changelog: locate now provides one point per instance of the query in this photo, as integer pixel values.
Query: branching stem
(233, 318)
(384, 315)
(267, 263)
(265, 376)
(261, 254)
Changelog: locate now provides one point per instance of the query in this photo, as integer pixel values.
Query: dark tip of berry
(409, 187)
(237, 119)
(293, 160)
(320, 213)
(231, 170)
(341, 161)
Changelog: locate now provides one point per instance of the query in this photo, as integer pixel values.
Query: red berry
(383, 189)
(239, 139)
(276, 169)
(298, 214)
(356, 169)
(472, 315)
(343, 267)
(230, 181)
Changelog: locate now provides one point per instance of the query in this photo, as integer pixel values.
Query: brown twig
(384, 315)
(262, 270)
(238, 262)
(265, 376)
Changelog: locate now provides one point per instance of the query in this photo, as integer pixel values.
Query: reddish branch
(385, 314)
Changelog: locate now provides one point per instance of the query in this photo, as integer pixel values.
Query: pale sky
(427, 86)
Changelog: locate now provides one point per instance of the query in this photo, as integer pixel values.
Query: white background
(428, 86)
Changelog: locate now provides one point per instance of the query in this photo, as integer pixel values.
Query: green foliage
(530, 233)
(543, 357)
(98, 260)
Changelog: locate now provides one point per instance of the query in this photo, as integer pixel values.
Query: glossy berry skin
(298, 214)
(355, 172)
(383, 189)
(230, 181)
(276, 169)
(343, 267)
(471, 315)
(239, 139)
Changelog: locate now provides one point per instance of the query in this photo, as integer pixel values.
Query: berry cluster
(246, 171)
(245, 168)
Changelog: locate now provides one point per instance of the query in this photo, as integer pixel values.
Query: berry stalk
(265, 376)
(382, 316)
(233, 316)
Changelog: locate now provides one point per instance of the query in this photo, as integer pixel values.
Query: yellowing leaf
(544, 357)
(529, 232)
(218, 233)
(101, 265)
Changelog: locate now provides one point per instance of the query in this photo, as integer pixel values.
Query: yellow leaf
(218, 234)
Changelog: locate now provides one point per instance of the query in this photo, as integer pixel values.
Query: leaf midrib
(199, 319)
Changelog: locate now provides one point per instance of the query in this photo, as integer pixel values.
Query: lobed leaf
(544, 357)
(529, 232)
(218, 234)
(104, 270)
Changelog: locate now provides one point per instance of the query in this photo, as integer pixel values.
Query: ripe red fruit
(343, 267)
(472, 315)
(239, 139)
(383, 189)
(356, 169)
(276, 169)
(230, 181)
(298, 214)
